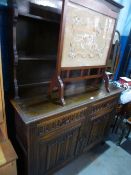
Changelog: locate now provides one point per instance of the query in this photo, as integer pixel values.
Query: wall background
(124, 27)
(3, 2)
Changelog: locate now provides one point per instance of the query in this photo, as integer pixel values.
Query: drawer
(103, 114)
(61, 123)
(104, 106)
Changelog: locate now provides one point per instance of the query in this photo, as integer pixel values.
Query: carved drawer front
(57, 151)
(104, 106)
(62, 122)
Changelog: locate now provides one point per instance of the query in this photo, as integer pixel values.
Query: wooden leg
(114, 125)
(121, 136)
(118, 123)
(106, 80)
(129, 130)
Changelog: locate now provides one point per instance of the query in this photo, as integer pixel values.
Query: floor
(107, 159)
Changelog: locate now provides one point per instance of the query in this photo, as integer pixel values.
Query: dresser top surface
(37, 108)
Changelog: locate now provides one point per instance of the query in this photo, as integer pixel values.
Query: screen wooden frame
(103, 7)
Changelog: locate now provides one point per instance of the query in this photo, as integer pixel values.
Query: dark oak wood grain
(35, 43)
(51, 135)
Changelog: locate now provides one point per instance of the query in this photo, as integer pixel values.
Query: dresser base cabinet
(51, 135)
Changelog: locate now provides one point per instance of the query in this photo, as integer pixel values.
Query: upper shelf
(53, 8)
(38, 58)
(35, 10)
(34, 17)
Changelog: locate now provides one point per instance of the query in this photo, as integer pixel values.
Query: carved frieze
(61, 121)
(106, 105)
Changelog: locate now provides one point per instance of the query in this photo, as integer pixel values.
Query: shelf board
(82, 78)
(41, 58)
(30, 16)
(34, 84)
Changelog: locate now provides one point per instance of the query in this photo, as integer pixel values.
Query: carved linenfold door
(57, 151)
(84, 134)
(98, 128)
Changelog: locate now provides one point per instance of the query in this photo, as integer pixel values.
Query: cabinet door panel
(57, 151)
(98, 128)
(84, 136)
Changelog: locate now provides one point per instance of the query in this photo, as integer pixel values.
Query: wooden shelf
(30, 16)
(39, 58)
(82, 78)
(34, 84)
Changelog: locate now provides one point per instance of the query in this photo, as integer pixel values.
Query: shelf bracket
(57, 84)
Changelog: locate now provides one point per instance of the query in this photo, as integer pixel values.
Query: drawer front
(103, 106)
(62, 123)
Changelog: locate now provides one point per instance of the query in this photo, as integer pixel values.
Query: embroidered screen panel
(87, 37)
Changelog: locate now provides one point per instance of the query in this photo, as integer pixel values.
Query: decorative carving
(65, 146)
(87, 37)
(76, 133)
(58, 150)
(49, 126)
(94, 130)
(104, 105)
(98, 128)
